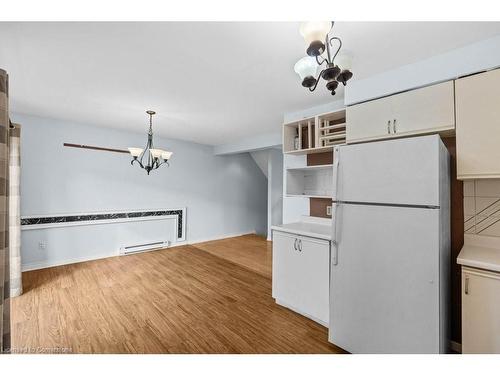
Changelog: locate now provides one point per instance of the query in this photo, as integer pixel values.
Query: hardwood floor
(178, 300)
(249, 251)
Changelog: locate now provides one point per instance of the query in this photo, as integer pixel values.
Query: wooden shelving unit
(304, 130)
(331, 129)
(315, 134)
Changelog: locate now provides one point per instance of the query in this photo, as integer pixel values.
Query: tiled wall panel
(482, 207)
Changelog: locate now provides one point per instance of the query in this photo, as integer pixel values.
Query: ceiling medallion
(153, 156)
(316, 35)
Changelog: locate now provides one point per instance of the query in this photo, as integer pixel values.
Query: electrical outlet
(42, 245)
(329, 210)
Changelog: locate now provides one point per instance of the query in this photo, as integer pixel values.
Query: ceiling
(211, 83)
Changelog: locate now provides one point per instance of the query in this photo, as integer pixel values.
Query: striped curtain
(16, 287)
(4, 215)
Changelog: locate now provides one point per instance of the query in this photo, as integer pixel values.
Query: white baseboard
(47, 264)
(298, 311)
(214, 238)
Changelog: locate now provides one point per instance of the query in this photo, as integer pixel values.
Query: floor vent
(132, 249)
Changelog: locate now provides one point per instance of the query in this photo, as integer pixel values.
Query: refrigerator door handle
(335, 248)
(336, 161)
(336, 155)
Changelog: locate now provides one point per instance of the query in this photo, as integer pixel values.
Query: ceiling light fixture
(316, 35)
(155, 157)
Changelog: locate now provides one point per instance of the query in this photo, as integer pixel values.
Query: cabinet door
(427, 110)
(480, 311)
(368, 120)
(478, 125)
(314, 257)
(286, 268)
(301, 274)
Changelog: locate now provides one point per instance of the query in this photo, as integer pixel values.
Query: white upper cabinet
(478, 125)
(421, 111)
(426, 110)
(369, 120)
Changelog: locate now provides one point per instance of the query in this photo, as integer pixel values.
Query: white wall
(275, 189)
(470, 59)
(251, 143)
(224, 195)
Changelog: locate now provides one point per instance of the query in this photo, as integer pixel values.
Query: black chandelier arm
(331, 45)
(138, 161)
(311, 89)
(322, 62)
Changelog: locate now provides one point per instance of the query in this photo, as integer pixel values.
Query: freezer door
(400, 171)
(384, 287)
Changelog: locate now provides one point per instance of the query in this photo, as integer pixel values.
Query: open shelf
(310, 181)
(315, 134)
(331, 129)
(302, 132)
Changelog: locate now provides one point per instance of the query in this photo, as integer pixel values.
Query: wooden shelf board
(331, 127)
(308, 196)
(310, 150)
(311, 167)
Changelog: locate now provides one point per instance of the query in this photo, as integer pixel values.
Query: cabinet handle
(389, 127)
(295, 244)
(394, 126)
(467, 285)
(300, 245)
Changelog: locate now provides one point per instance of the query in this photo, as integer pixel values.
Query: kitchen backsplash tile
(482, 207)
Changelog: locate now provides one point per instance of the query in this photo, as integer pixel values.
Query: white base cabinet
(480, 311)
(301, 273)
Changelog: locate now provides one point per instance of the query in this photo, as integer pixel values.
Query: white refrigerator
(390, 261)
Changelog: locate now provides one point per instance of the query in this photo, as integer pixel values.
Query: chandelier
(153, 156)
(316, 35)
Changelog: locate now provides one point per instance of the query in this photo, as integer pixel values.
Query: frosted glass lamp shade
(155, 152)
(315, 30)
(306, 67)
(165, 155)
(135, 151)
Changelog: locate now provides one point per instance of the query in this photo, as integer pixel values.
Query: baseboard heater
(140, 248)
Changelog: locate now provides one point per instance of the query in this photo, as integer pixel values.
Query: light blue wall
(473, 58)
(224, 195)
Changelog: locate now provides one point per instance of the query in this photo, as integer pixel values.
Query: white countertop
(480, 252)
(308, 226)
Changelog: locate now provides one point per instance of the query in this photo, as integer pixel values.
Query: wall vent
(140, 248)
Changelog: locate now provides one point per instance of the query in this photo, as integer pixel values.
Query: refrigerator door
(384, 287)
(400, 171)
